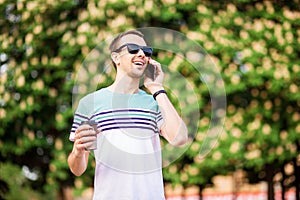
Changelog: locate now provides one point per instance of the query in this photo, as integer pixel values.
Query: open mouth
(139, 63)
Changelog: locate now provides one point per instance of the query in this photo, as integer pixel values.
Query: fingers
(158, 68)
(86, 138)
(156, 64)
(85, 135)
(87, 127)
(85, 142)
(83, 127)
(157, 83)
(82, 146)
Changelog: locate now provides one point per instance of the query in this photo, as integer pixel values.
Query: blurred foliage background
(255, 45)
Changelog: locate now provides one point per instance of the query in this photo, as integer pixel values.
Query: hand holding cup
(86, 135)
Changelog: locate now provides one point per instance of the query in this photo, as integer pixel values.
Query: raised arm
(174, 128)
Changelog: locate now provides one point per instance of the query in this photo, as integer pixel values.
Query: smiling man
(130, 123)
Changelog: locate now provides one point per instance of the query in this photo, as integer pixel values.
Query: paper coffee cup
(92, 123)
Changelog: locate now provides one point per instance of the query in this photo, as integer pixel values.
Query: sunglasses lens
(147, 51)
(134, 49)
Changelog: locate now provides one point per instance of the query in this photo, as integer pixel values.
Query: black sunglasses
(134, 49)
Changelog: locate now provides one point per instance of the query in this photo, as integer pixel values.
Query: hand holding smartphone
(150, 71)
(154, 76)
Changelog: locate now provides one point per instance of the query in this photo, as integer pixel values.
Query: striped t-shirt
(128, 154)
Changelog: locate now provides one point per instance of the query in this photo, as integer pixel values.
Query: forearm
(174, 128)
(78, 161)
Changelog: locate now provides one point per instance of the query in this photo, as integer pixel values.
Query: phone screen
(150, 71)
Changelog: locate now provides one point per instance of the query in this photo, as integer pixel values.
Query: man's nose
(140, 53)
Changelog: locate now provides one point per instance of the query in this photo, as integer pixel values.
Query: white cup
(92, 123)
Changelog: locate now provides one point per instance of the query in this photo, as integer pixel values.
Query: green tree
(253, 44)
(257, 52)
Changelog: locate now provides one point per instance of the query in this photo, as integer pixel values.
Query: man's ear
(115, 57)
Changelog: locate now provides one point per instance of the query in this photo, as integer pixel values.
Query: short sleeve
(159, 119)
(82, 113)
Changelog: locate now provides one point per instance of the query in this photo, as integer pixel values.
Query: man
(129, 123)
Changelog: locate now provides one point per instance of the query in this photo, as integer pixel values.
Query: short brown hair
(114, 44)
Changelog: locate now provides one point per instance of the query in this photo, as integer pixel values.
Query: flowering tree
(255, 47)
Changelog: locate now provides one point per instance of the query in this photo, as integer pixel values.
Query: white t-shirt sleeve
(82, 113)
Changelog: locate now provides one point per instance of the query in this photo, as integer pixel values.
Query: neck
(125, 85)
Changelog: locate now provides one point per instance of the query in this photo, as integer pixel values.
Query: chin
(136, 73)
(137, 76)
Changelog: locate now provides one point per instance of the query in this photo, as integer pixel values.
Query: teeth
(138, 63)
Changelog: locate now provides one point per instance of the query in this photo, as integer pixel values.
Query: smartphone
(150, 71)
